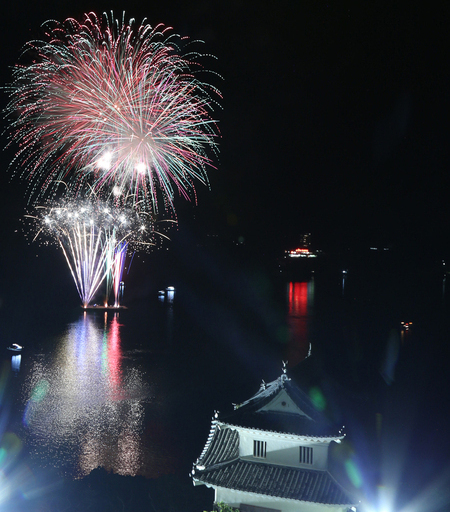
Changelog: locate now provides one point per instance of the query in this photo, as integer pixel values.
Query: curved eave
(286, 435)
(198, 481)
(214, 425)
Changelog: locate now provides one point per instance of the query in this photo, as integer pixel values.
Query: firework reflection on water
(86, 405)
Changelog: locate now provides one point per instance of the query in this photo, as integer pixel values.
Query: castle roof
(282, 410)
(281, 406)
(222, 445)
(276, 481)
(219, 465)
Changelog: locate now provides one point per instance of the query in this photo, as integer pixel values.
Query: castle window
(306, 455)
(259, 449)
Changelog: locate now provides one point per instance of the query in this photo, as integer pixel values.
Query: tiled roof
(277, 481)
(219, 464)
(222, 445)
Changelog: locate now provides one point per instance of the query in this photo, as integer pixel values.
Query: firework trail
(120, 254)
(115, 106)
(90, 233)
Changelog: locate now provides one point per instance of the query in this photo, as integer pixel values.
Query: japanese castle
(271, 455)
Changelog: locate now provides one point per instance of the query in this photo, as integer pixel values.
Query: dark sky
(335, 115)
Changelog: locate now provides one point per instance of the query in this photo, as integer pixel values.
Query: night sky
(335, 117)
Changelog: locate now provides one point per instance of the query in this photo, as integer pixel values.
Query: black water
(109, 411)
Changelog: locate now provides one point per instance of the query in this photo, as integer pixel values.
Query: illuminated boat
(300, 263)
(15, 348)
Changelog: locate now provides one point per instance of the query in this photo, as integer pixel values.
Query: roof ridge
(332, 436)
(271, 387)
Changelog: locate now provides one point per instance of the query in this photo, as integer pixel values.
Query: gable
(282, 402)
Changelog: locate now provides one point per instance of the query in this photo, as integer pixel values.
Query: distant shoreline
(106, 308)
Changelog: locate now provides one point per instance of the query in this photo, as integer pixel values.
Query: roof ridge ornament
(284, 376)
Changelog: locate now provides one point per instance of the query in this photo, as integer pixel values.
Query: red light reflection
(114, 358)
(298, 343)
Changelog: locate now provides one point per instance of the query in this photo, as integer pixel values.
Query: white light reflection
(170, 294)
(15, 362)
(84, 409)
(344, 278)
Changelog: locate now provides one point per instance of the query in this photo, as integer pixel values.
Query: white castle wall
(236, 498)
(283, 449)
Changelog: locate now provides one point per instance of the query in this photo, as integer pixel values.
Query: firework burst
(91, 233)
(114, 106)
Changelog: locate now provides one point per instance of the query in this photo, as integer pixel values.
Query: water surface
(134, 392)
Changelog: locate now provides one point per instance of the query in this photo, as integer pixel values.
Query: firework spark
(90, 233)
(120, 254)
(115, 106)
